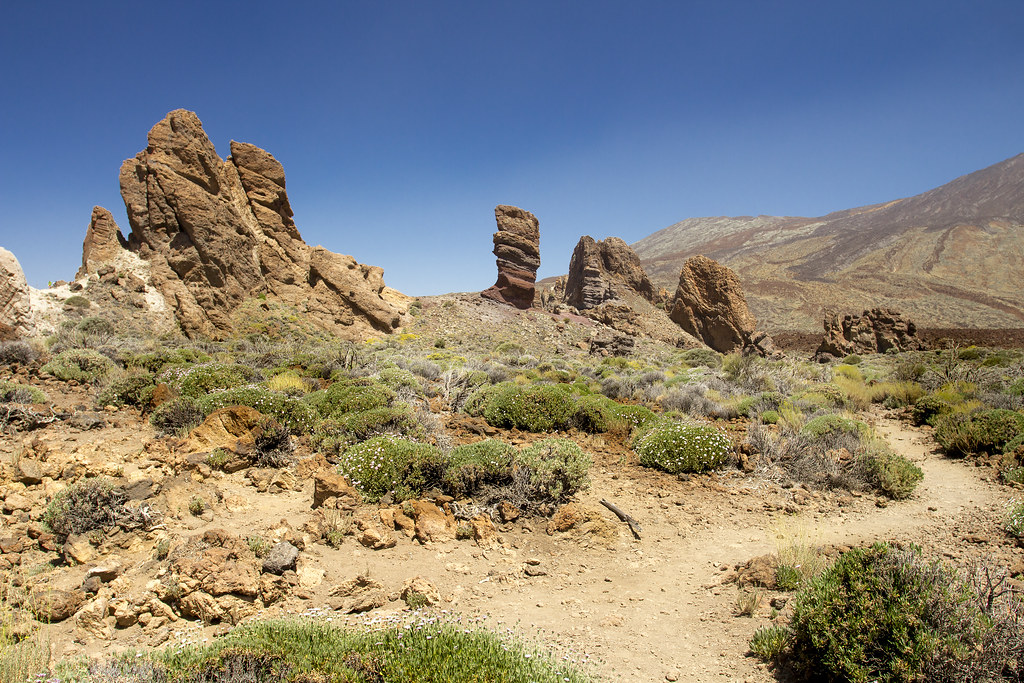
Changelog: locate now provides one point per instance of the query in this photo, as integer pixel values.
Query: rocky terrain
(908, 254)
(225, 542)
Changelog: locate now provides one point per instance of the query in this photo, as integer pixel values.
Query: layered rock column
(709, 304)
(103, 242)
(598, 268)
(517, 248)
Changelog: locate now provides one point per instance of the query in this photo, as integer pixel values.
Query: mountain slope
(949, 257)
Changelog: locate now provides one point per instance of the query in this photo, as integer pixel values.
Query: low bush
(886, 614)
(77, 301)
(677, 447)
(426, 650)
(156, 361)
(14, 392)
(398, 379)
(333, 435)
(477, 466)
(1014, 475)
(196, 381)
(892, 473)
(17, 352)
(89, 505)
(349, 396)
(989, 431)
(768, 642)
(81, 365)
(543, 408)
(288, 383)
(702, 357)
(292, 412)
(558, 468)
(1015, 519)
(833, 427)
(391, 465)
(180, 414)
(131, 389)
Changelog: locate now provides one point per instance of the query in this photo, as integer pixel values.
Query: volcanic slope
(950, 257)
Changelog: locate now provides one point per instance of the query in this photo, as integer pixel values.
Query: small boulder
(281, 558)
(53, 605)
(420, 590)
(328, 485)
(432, 524)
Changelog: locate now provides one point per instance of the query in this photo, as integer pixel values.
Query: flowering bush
(388, 464)
(133, 389)
(542, 408)
(289, 411)
(347, 396)
(680, 447)
(201, 379)
(1015, 519)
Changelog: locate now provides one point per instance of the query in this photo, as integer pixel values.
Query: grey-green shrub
(347, 396)
(474, 466)
(292, 412)
(542, 408)
(132, 389)
(179, 414)
(388, 464)
(14, 392)
(678, 447)
(986, 430)
(196, 381)
(558, 468)
(892, 473)
(80, 365)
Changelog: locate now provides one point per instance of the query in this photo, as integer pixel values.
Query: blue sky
(401, 124)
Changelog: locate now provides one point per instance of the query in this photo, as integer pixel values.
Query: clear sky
(401, 124)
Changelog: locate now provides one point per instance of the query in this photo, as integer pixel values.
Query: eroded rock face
(103, 242)
(517, 248)
(598, 269)
(15, 301)
(874, 331)
(709, 304)
(217, 232)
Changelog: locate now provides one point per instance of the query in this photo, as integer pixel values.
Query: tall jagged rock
(709, 304)
(517, 248)
(103, 242)
(15, 300)
(216, 232)
(875, 331)
(598, 270)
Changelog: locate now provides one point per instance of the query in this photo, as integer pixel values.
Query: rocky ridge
(875, 331)
(907, 254)
(217, 232)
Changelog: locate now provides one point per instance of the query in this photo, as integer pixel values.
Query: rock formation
(517, 248)
(216, 232)
(15, 301)
(103, 242)
(709, 304)
(599, 269)
(875, 331)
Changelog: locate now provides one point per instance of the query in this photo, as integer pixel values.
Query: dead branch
(634, 526)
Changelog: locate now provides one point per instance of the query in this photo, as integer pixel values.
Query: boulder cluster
(874, 331)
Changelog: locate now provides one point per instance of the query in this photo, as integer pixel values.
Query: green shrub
(885, 614)
(832, 426)
(180, 414)
(397, 379)
(80, 365)
(333, 435)
(425, 651)
(530, 408)
(13, 392)
(95, 325)
(558, 468)
(634, 417)
(928, 408)
(852, 359)
(196, 381)
(156, 361)
(388, 464)
(1017, 388)
(1015, 519)
(89, 505)
(768, 642)
(132, 389)
(986, 430)
(292, 412)
(349, 396)
(1014, 475)
(892, 473)
(77, 301)
(702, 357)
(475, 466)
(769, 417)
(1013, 444)
(678, 447)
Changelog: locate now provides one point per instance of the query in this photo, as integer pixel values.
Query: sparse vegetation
(81, 365)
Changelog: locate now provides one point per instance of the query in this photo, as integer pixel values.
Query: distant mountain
(950, 257)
